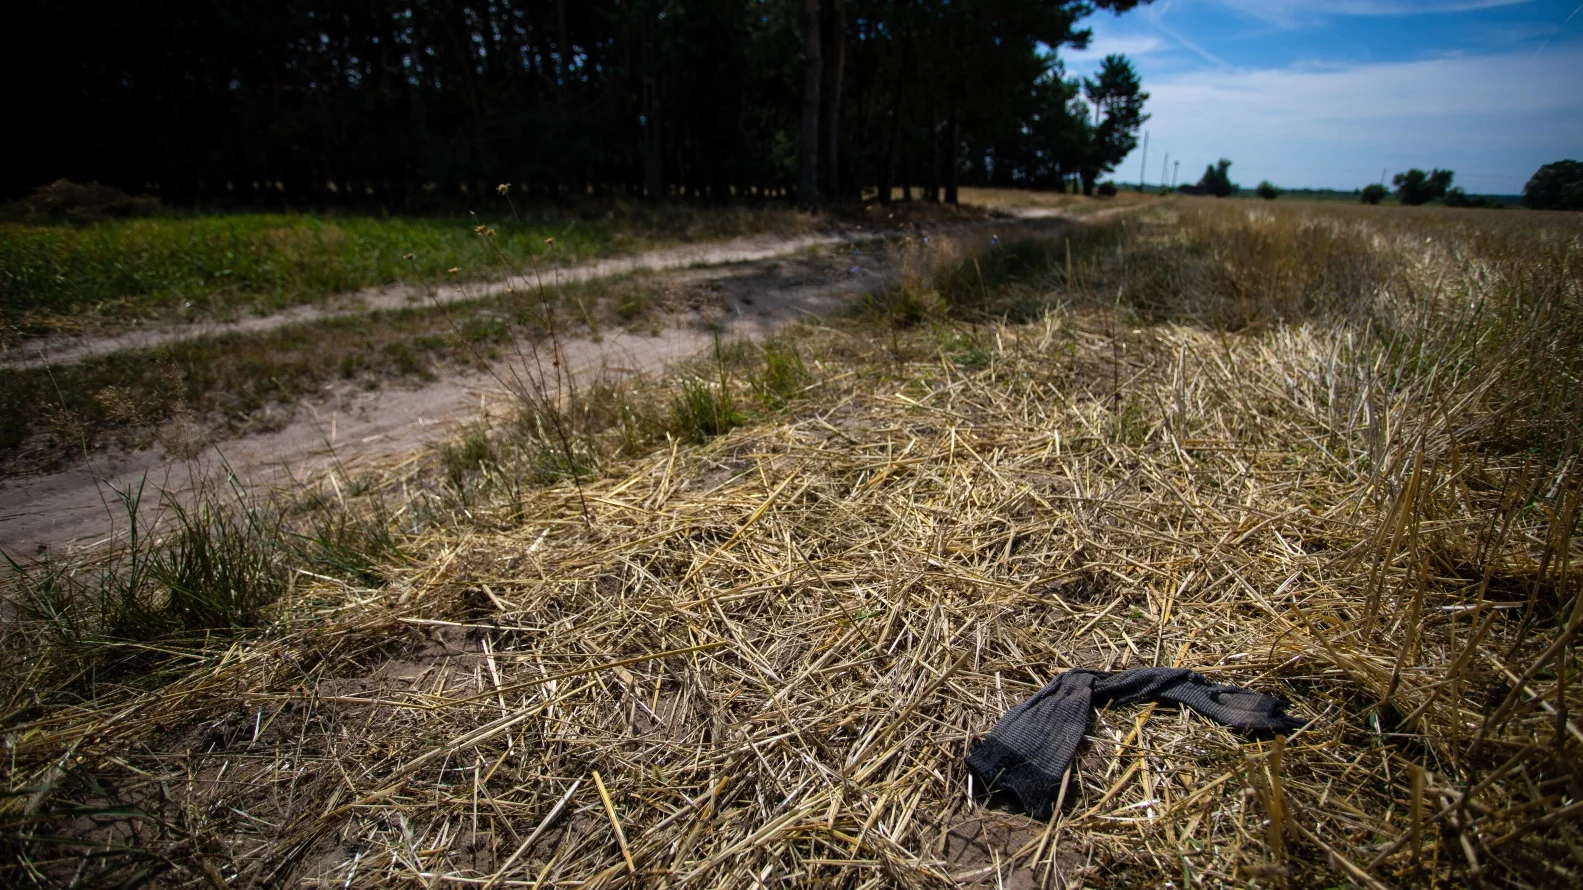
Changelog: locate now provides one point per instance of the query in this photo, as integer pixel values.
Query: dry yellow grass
(1325, 454)
(1020, 199)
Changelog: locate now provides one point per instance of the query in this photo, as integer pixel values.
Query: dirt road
(759, 290)
(350, 426)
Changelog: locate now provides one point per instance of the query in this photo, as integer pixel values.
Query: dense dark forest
(405, 104)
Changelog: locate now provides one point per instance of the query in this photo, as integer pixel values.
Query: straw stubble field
(1328, 454)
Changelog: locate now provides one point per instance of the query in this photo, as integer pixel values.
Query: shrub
(1267, 191)
(1557, 186)
(1217, 179)
(1417, 187)
(75, 202)
(1374, 193)
(1107, 189)
(1458, 198)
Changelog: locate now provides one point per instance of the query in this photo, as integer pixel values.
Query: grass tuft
(704, 409)
(782, 377)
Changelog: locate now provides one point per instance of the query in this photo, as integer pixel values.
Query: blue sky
(1327, 93)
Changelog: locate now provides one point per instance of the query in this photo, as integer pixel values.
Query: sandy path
(80, 507)
(72, 348)
(349, 426)
(65, 349)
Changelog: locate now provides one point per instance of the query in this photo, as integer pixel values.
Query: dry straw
(1308, 452)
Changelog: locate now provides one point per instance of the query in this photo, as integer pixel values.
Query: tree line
(1555, 186)
(410, 103)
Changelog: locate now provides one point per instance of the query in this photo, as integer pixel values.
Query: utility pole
(1143, 167)
(1164, 170)
(1175, 169)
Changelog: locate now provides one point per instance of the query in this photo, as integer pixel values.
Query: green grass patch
(235, 377)
(704, 409)
(782, 376)
(243, 382)
(56, 277)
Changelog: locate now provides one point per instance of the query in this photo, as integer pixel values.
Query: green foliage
(1116, 93)
(235, 377)
(205, 264)
(704, 409)
(1456, 197)
(354, 546)
(219, 567)
(1217, 179)
(1374, 193)
(1107, 189)
(1267, 191)
(1555, 186)
(783, 375)
(224, 567)
(1417, 187)
(432, 105)
(465, 456)
(216, 568)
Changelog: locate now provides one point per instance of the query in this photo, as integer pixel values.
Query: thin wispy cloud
(1132, 46)
(1298, 13)
(1156, 15)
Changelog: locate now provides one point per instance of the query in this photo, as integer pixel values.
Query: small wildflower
(855, 269)
(454, 269)
(926, 239)
(854, 250)
(478, 229)
(503, 188)
(994, 240)
(409, 257)
(550, 241)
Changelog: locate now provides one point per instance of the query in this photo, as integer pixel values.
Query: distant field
(1334, 197)
(63, 277)
(1014, 199)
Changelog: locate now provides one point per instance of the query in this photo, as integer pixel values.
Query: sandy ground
(64, 349)
(348, 426)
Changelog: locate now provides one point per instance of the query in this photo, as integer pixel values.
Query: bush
(74, 202)
(1267, 191)
(1417, 187)
(1107, 189)
(1217, 180)
(1557, 186)
(1374, 194)
(1458, 198)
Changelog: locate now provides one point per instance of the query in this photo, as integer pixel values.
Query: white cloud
(1494, 119)
(1103, 45)
(1295, 13)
